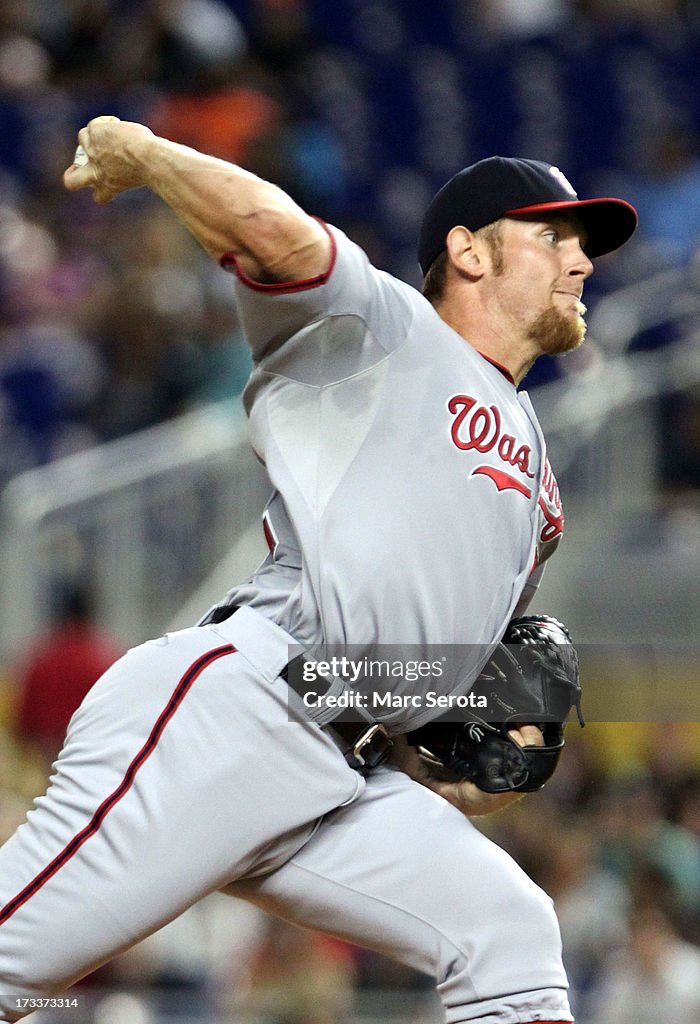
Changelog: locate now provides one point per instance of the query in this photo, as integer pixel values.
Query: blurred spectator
(591, 904)
(655, 977)
(665, 187)
(632, 11)
(300, 977)
(59, 669)
(687, 806)
(20, 781)
(680, 458)
(225, 356)
(106, 331)
(673, 757)
(119, 45)
(282, 32)
(227, 118)
(49, 377)
(178, 45)
(506, 19)
(190, 970)
(635, 835)
(207, 91)
(165, 326)
(153, 369)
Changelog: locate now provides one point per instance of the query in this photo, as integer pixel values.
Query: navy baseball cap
(503, 186)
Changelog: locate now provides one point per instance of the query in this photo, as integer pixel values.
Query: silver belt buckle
(371, 748)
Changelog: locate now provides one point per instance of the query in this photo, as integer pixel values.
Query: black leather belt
(365, 745)
(219, 613)
(366, 749)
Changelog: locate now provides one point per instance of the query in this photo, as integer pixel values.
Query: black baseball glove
(532, 677)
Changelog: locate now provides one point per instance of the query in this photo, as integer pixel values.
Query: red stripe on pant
(178, 695)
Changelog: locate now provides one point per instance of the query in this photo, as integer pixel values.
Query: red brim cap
(509, 187)
(608, 223)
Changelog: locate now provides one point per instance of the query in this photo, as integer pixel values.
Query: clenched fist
(116, 158)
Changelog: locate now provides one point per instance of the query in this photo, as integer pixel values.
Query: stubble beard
(552, 331)
(555, 333)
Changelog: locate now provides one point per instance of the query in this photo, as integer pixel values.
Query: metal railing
(630, 562)
(602, 431)
(668, 297)
(146, 518)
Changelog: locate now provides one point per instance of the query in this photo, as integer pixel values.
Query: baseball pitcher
(412, 503)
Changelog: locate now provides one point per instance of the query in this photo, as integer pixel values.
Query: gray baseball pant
(183, 774)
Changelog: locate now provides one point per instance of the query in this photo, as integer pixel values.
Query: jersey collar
(501, 369)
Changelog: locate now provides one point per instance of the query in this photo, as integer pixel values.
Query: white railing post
(146, 518)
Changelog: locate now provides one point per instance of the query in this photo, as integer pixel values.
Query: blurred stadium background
(129, 501)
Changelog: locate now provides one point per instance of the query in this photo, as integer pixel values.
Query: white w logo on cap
(563, 180)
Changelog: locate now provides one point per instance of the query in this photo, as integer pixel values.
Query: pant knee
(507, 964)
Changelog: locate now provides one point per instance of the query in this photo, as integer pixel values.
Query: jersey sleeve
(272, 314)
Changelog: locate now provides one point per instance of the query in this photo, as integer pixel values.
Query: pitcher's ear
(465, 252)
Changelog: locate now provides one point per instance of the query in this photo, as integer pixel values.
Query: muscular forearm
(463, 795)
(225, 207)
(228, 209)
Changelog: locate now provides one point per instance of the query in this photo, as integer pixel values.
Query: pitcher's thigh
(165, 790)
(404, 873)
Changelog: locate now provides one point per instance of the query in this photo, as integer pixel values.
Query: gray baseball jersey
(414, 502)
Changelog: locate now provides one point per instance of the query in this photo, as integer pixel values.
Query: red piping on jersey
(269, 531)
(503, 481)
(229, 261)
(509, 377)
(179, 694)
